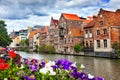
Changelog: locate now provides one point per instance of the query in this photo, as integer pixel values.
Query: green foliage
(116, 46)
(47, 49)
(5, 40)
(42, 48)
(25, 49)
(24, 43)
(36, 48)
(78, 48)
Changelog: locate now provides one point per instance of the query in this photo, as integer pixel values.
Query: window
(104, 31)
(101, 23)
(98, 32)
(86, 43)
(98, 43)
(86, 31)
(90, 43)
(90, 30)
(64, 24)
(105, 42)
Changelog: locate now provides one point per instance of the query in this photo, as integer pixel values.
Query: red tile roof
(70, 16)
(90, 24)
(55, 23)
(32, 33)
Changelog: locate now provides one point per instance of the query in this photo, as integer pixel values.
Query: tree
(46, 49)
(116, 47)
(24, 43)
(5, 40)
(78, 48)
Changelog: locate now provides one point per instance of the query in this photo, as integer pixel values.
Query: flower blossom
(12, 54)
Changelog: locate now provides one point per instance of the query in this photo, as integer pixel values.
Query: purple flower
(73, 68)
(19, 63)
(43, 64)
(34, 61)
(99, 78)
(33, 67)
(31, 77)
(74, 74)
(25, 61)
(65, 64)
(54, 67)
(82, 76)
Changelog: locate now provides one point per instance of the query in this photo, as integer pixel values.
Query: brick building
(53, 33)
(43, 37)
(106, 32)
(70, 24)
(89, 37)
(33, 39)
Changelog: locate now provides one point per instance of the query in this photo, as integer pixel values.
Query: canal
(106, 68)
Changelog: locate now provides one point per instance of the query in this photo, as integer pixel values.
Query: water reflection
(107, 68)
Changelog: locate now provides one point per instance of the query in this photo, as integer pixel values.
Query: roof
(55, 21)
(70, 16)
(86, 21)
(44, 29)
(32, 33)
(90, 24)
(113, 18)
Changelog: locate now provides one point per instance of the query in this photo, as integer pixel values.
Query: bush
(116, 47)
(78, 48)
(24, 49)
(46, 49)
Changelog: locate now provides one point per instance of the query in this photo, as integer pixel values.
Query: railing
(61, 34)
(61, 27)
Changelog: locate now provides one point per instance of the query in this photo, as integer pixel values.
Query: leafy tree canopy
(5, 40)
(78, 48)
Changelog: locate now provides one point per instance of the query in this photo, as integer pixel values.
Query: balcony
(61, 34)
(61, 27)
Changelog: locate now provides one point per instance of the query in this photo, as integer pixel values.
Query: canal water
(106, 68)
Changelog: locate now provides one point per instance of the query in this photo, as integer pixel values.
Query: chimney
(89, 18)
(118, 10)
(94, 16)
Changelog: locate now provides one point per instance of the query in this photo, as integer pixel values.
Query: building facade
(89, 37)
(33, 39)
(106, 32)
(67, 24)
(44, 36)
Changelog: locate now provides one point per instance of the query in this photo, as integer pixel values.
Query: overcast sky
(19, 14)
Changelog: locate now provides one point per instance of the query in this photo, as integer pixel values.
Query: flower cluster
(12, 66)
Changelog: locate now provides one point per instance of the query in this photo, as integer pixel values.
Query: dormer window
(101, 23)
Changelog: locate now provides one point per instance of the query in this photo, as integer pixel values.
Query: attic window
(101, 23)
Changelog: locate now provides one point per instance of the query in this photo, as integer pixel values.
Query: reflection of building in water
(103, 68)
